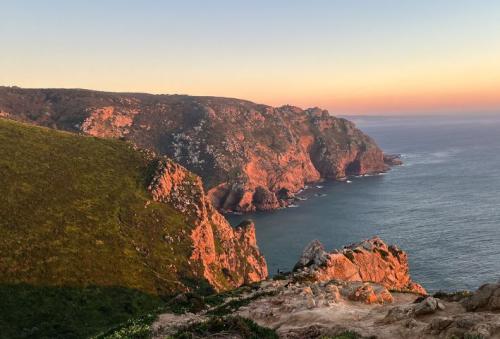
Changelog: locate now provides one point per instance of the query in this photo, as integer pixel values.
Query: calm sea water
(442, 206)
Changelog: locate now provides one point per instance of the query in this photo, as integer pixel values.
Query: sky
(351, 57)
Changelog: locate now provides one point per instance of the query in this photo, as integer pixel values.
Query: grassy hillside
(75, 214)
(235, 145)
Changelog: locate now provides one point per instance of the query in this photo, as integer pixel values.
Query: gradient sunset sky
(351, 57)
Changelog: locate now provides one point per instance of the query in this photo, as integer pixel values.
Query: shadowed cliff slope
(250, 156)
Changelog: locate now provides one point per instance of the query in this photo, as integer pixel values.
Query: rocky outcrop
(311, 309)
(486, 298)
(370, 260)
(367, 292)
(230, 257)
(247, 154)
(296, 305)
(393, 159)
(328, 309)
(108, 122)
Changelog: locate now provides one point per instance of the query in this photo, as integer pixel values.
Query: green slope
(75, 213)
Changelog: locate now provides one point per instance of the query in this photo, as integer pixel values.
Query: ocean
(442, 206)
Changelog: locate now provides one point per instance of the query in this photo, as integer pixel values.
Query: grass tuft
(239, 326)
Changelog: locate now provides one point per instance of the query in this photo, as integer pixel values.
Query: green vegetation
(344, 335)
(452, 296)
(136, 328)
(65, 312)
(187, 302)
(468, 336)
(473, 336)
(75, 213)
(280, 276)
(245, 328)
(194, 302)
(140, 327)
(233, 305)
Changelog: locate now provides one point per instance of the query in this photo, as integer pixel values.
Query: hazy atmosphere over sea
(442, 206)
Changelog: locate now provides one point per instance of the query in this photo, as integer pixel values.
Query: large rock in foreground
(250, 156)
(370, 260)
(486, 298)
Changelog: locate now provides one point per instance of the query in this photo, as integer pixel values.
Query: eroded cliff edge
(229, 256)
(250, 156)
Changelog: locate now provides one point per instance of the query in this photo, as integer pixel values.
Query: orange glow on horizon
(397, 103)
(406, 57)
(439, 87)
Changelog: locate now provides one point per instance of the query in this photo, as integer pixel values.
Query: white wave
(431, 158)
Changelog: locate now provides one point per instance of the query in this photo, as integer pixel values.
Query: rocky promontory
(365, 301)
(370, 260)
(250, 156)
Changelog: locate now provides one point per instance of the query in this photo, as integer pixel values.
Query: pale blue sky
(350, 56)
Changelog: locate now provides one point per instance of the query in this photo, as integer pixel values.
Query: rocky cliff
(250, 156)
(78, 211)
(230, 257)
(370, 260)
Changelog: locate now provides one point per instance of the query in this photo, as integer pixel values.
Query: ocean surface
(442, 206)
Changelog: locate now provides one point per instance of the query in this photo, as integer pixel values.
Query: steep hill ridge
(76, 211)
(250, 156)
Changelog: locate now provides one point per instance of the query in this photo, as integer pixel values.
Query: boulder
(314, 255)
(427, 306)
(393, 159)
(487, 297)
(265, 200)
(369, 294)
(398, 313)
(333, 293)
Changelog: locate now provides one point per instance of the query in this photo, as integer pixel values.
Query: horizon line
(409, 113)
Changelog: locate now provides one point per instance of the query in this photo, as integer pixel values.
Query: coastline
(391, 160)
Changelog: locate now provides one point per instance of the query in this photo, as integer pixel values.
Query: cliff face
(250, 156)
(230, 257)
(78, 211)
(370, 260)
